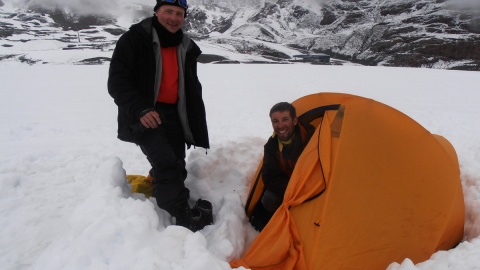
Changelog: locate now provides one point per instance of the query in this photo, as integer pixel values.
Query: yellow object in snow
(141, 184)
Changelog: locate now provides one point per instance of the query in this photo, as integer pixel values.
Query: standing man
(281, 152)
(153, 81)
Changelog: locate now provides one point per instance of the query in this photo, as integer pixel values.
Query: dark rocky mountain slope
(409, 33)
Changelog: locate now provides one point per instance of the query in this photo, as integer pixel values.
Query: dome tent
(372, 187)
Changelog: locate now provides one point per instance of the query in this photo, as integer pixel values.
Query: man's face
(283, 124)
(171, 17)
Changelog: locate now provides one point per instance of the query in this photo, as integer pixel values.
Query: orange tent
(372, 187)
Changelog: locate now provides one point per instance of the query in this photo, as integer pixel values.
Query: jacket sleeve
(273, 177)
(122, 82)
(195, 106)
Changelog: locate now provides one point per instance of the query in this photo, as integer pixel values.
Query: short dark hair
(282, 107)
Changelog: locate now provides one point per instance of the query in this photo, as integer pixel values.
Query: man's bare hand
(151, 120)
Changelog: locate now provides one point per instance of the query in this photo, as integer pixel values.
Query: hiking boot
(202, 213)
(194, 219)
(198, 221)
(183, 215)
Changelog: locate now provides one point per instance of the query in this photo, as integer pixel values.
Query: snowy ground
(64, 202)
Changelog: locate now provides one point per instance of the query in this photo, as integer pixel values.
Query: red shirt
(169, 84)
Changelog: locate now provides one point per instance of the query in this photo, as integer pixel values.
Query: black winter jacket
(278, 166)
(131, 83)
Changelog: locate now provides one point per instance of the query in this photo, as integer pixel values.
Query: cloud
(78, 6)
(465, 4)
(84, 7)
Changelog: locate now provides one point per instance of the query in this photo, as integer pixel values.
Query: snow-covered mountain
(415, 33)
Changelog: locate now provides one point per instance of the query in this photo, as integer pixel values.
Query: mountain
(425, 33)
(411, 33)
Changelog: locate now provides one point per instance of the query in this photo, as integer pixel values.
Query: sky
(65, 203)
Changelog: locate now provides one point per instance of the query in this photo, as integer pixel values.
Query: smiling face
(170, 17)
(283, 124)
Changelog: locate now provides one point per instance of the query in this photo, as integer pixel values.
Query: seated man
(281, 153)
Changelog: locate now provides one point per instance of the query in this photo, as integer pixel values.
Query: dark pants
(264, 209)
(165, 150)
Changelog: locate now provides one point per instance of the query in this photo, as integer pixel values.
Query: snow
(65, 203)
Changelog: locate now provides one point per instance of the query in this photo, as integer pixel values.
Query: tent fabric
(372, 187)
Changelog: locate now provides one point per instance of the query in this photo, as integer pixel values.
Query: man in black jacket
(153, 81)
(280, 155)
